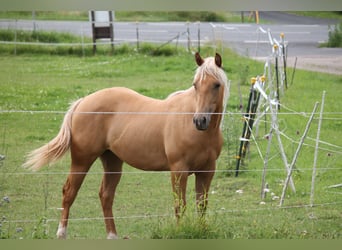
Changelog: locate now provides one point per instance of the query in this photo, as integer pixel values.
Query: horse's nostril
(201, 122)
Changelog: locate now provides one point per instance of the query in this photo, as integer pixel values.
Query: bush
(204, 16)
(335, 37)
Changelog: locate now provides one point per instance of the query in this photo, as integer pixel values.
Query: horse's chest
(196, 153)
(202, 159)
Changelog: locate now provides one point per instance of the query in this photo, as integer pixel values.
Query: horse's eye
(195, 85)
(217, 85)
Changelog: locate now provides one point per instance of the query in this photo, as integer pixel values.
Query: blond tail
(56, 148)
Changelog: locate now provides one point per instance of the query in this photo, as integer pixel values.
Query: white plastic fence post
(275, 125)
(316, 151)
(263, 181)
(296, 155)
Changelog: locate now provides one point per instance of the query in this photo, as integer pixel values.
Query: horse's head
(210, 84)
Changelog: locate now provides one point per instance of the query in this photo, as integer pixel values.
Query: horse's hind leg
(70, 189)
(112, 168)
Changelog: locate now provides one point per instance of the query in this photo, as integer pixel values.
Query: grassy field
(38, 88)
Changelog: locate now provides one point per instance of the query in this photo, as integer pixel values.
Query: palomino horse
(180, 134)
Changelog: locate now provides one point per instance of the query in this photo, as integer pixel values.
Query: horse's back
(113, 100)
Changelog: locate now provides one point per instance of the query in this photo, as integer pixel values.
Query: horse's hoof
(112, 236)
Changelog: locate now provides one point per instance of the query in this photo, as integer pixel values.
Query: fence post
(282, 37)
(276, 48)
(15, 38)
(294, 70)
(288, 177)
(316, 151)
(82, 40)
(137, 31)
(275, 125)
(263, 178)
(248, 119)
(188, 32)
(199, 37)
(34, 20)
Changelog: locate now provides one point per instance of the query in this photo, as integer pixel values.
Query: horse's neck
(179, 92)
(183, 100)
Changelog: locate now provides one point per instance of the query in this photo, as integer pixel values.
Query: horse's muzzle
(201, 121)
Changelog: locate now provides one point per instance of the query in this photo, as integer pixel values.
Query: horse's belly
(141, 147)
(142, 157)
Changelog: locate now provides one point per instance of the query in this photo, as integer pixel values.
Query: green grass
(143, 204)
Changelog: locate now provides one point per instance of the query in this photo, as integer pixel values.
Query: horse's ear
(218, 60)
(199, 59)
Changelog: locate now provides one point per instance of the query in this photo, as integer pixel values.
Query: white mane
(210, 68)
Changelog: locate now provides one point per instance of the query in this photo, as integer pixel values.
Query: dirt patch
(331, 65)
(324, 64)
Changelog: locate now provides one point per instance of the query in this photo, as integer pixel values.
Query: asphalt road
(303, 35)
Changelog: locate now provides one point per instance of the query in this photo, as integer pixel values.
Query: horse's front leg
(203, 181)
(179, 181)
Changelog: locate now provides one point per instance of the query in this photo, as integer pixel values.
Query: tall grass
(38, 36)
(55, 43)
(45, 15)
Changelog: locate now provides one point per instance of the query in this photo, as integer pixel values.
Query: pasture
(36, 91)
